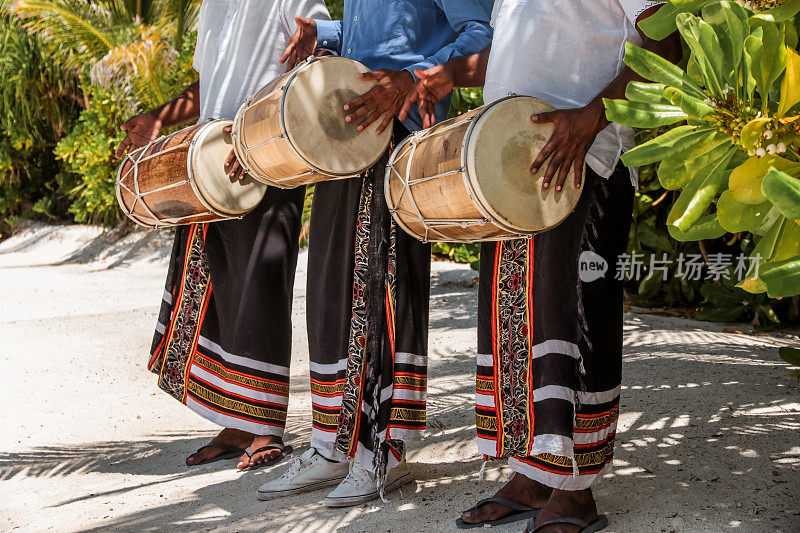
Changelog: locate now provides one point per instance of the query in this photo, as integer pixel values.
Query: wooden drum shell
(446, 197)
(468, 179)
(181, 179)
(277, 162)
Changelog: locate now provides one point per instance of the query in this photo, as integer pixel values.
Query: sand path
(708, 439)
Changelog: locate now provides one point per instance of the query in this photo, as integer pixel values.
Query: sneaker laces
(299, 463)
(358, 475)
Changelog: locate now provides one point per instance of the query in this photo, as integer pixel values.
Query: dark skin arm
(437, 82)
(145, 127)
(574, 129)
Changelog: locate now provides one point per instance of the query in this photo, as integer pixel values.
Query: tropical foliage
(729, 129)
(718, 133)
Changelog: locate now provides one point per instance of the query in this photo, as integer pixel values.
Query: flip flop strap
(567, 520)
(226, 448)
(504, 501)
(250, 453)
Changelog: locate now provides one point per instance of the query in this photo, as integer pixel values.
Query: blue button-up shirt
(408, 34)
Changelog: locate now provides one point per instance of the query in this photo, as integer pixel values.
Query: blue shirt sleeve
(329, 35)
(471, 21)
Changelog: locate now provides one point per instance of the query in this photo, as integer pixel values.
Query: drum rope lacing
(430, 225)
(138, 196)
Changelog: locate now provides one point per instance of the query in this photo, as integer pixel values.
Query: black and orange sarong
(550, 345)
(368, 290)
(224, 335)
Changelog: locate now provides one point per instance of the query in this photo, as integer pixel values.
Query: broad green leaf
(779, 13)
(697, 196)
(790, 86)
(690, 105)
(753, 286)
(655, 68)
(782, 190)
(707, 51)
(692, 5)
(661, 24)
(745, 180)
(791, 38)
(787, 244)
(647, 93)
(730, 23)
(654, 237)
(707, 227)
(684, 141)
(639, 115)
(769, 60)
(790, 355)
(735, 216)
(650, 285)
(751, 46)
(752, 131)
(675, 173)
(772, 216)
(782, 278)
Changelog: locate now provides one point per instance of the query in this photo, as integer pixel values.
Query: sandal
(600, 523)
(520, 512)
(228, 452)
(285, 450)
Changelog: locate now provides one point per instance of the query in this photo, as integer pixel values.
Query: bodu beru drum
(181, 179)
(292, 132)
(468, 179)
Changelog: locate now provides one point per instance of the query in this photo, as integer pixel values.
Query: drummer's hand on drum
(232, 165)
(574, 133)
(302, 44)
(433, 84)
(142, 129)
(384, 100)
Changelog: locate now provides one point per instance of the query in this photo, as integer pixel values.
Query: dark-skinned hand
(232, 166)
(574, 133)
(142, 130)
(382, 101)
(432, 85)
(302, 44)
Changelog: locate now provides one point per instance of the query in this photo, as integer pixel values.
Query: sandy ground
(708, 438)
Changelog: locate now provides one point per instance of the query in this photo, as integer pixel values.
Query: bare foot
(226, 438)
(567, 504)
(520, 489)
(259, 458)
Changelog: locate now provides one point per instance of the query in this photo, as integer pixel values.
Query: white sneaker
(308, 472)
(360, 485)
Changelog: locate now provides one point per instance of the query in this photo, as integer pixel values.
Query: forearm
(184, 108)
(669, 48)
(470, 71)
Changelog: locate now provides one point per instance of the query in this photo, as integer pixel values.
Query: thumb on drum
(543, 118)
(373, 75)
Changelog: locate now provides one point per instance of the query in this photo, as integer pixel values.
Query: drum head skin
(500, 150)
(314, 117)
(226, 195)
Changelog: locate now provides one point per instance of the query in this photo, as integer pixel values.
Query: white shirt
(239, 43)
(565, 52)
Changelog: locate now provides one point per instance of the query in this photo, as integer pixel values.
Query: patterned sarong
(368, 287)
(550, 345)
(223, 340)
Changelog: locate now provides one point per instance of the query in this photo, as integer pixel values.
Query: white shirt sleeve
(308, 9)
(634, 8)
